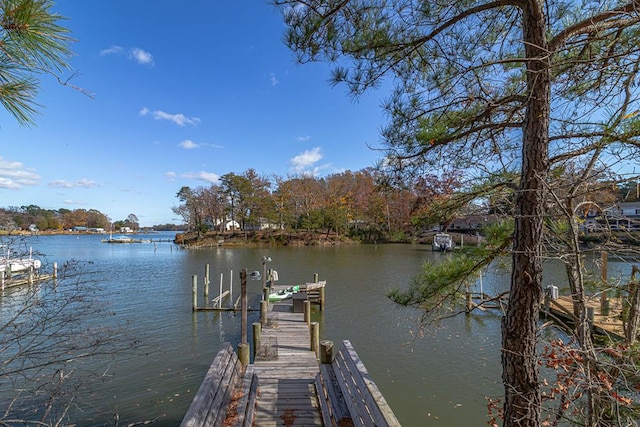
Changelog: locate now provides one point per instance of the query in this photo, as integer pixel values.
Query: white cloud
(61, 183)
(179, 119)
(303, 138)
(188, 144)
(14, 175)
(141, 56)
(75, 202)
(136, 54)
(210, 177)
(112, 50)
(272, 78)
(171, 176)
(305, 160)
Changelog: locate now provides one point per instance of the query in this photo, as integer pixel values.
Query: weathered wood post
(321, 298)
(257, 332)
(194, 292)
(263, 311)
(469, 305)
(55, 271)
(243, 353)
(315, 337)
(604, 300)
(243, 293)
(206, 282)
(30, 279)
(315, 277)
(326, 351)
(307, 312)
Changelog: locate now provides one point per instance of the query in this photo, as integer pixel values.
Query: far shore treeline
(34, 218)
(365, 205)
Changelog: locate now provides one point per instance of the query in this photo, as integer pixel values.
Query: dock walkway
(288, 384)
(609, 323)
(287, 369)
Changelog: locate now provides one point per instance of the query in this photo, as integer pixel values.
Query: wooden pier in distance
(608, 323)
(27, 278)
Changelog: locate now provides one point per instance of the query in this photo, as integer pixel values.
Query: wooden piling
(243, 353)
(257, 331)
(245, 303)
(321, 297)
(220, 291)
(326, 352)
(263, 311)
(307, 312)
(315, 337)
(315, 277)
(206, 282)
(194, 291)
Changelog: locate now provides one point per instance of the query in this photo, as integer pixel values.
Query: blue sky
(184, 92)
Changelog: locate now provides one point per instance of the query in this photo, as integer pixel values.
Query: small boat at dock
(442, 242)
(17, 265)
(283, 294)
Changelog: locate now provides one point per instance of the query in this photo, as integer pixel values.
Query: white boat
(284, 293)
(17, 265)
(442, 242)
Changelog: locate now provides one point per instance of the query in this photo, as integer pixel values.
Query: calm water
(440, 378)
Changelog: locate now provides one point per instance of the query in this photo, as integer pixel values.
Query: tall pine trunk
(522, 405)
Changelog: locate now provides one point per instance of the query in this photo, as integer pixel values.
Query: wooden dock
(295, 379)
(287, 369)
(605, 323)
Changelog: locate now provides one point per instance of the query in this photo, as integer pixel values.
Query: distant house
(228, 224)
(80, 229)
(126, 230)
(622, 216)
(231, 225)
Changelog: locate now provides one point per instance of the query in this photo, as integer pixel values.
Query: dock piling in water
(194, 293)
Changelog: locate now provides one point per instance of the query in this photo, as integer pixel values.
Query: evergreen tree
(31, 43)
(490, 87)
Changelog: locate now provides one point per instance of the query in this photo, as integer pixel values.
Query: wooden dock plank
(287, 393)
(610, 324)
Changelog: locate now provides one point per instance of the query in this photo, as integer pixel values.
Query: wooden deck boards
(610, 324)
(287, 393)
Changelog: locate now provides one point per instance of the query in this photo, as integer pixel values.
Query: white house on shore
(622, 216)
